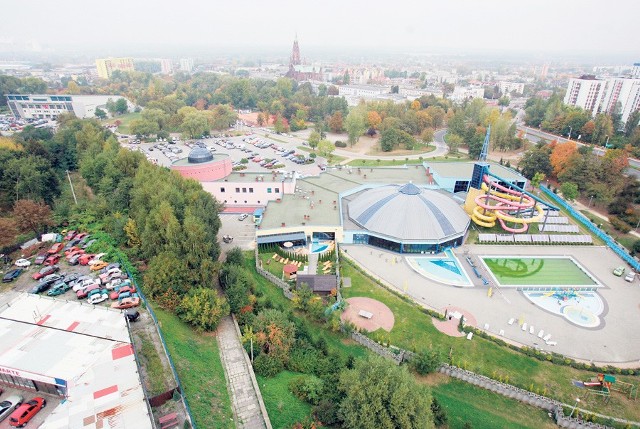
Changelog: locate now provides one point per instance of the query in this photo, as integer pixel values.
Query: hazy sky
(554, 26)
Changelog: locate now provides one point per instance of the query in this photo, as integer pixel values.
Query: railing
(610, 242)
(165, 348)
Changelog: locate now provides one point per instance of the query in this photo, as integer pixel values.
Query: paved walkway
(244, 398)
(313, 263)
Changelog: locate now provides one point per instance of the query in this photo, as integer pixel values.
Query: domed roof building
(203, 166)
(408, 219)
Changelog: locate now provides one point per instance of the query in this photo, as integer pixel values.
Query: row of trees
(554, 116)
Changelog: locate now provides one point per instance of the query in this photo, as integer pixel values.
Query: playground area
(591, 326)
(544, 272)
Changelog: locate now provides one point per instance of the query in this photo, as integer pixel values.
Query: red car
(84, 259)
(133, 301)
(117, 291)
(55, 248)
(52, 260)
(82, 293)
(74, 253)
(70, 235)
(71, 250)
(45, 272)
(81, 236)
(25, 412)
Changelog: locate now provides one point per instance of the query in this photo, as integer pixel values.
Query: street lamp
(574, 407)
(570, 129)
(590, 199)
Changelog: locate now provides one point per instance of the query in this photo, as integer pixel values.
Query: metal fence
(164, 346)
(610, 242)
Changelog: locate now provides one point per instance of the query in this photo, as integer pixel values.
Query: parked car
(52, 260)
(243, 216)
(619, 271)
(75, 259)
(117, 291)
(22, 263)
(88, 243)
(71, 250)
(84, 283)
(132, 315)
(45, 272)
(58, 288)
(133, 301)
(40, 287)
(111, 265)
(70, 235)
(71, 278)
(100, 265)
(630, 277)
(11, 275)
(83, 293)
(98, 297)
(71, 244)
(84, 259)
(55, 248)
(117, 282)
(74, 253)
(25, 412)
(40, 258)
(9, 405)
(96, 258)
(85, 239)
(81, 235)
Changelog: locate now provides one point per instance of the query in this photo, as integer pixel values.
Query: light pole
(590, 199)
(607, 142)
(570, 129)
(574, 407)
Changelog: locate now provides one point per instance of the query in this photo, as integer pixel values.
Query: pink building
(203, 166)
(250, 189)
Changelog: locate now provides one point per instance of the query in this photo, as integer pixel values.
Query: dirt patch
(434, 379)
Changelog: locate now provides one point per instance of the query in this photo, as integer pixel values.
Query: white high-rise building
(586, 92)
(166, 66)
(186, 65)
(624, 93)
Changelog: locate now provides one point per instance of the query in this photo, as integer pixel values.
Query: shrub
(303, 360)
(326, 412)
(312, 155)
(307, 388)
(267, 366)
(619, 225)
(426, 361)
(340, 143)
(239, 167)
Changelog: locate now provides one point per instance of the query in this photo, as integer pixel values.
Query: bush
(619, 225)
(340, 143)
(203, 308)
(307, 388)
(312, 155)
(239, 167)
(326, 412)
(426, 361)
(303, 360)
(267, 366)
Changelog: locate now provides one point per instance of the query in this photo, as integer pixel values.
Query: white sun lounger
(531, 330)
(552, 343)
(469, 335)
(547, 338)
(524, 326)
(511, 321)
(541, 333)
(501, 332)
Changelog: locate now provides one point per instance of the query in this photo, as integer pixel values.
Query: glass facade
(406, 247)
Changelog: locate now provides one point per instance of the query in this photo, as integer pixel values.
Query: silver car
(9, 405)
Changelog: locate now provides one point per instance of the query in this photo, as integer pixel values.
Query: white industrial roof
(85, 347)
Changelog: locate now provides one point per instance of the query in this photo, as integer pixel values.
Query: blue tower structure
(481, 168)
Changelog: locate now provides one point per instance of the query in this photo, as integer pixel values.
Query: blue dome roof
(199, 155)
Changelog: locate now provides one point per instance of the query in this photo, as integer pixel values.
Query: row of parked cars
(19, 412)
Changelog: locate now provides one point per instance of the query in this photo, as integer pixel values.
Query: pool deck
(616, 341)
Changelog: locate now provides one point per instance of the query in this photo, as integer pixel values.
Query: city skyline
(543, 28)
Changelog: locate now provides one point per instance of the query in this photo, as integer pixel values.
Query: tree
(121, 106)
(32, 216)
(379, 394)
(335, 122)
(275, 334)
(203, 308)
(194, 124)
(454, 141)
(167, 279)
(314, 139)
(143, 127)
(427, 135)
(426, 361)
(355, 125)
(235, 257)
(260, 119)
(223, 117)
(602, 128)
(536, 160)
(537, 179)
(8, 231)
(440, 418)
(569, 191)
(373, 119)
(562, 155)
(100, 114)
(325, 148)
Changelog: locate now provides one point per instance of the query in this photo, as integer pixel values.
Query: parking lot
(237, 148)
(242, 231)
(38, 419)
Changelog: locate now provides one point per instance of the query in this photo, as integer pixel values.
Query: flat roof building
(45, 106)
(106, 66)
(82, 353)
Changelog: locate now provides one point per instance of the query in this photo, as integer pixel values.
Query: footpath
(246, 399)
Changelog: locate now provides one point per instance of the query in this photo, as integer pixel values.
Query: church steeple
(295, 53)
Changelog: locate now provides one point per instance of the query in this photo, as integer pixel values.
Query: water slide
(499, 202)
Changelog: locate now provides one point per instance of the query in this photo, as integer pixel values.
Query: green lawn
(486, 410)
(197, 361)
(124, 121)
(283, 407)
(414, 330)
(153, 365)
(537, 271)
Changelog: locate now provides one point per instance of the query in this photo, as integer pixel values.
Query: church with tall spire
(299, 71)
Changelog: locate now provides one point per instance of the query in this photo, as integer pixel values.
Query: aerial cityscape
(339, 215)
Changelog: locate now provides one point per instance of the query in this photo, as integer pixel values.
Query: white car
(98, 298)
(9, 404)
(96, 258)
(23, 263)
(85, 284)
(243, 216)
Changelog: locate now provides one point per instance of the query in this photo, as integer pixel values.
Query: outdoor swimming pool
(582, 308)
(444, 268)
(546, 271)
(319, 246)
